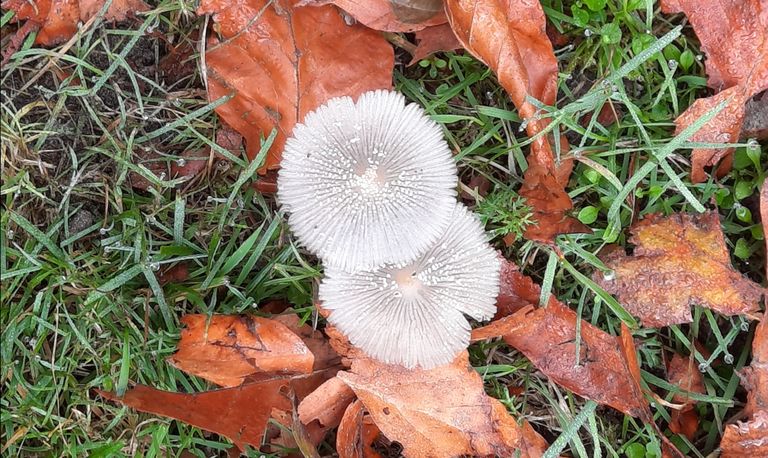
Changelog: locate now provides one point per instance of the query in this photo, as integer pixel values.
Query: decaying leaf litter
(228, 350)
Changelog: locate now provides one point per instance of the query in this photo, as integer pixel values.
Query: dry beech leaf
(734, 37)
(280, 61)
(356, 433)
(678, 261)
(390, 15)
(682, 372)
(439, 412)
(230, 348)
(57, 20)
(326, 404)
(239, 414)
(510, 37)
(606, 370)
(433, 39)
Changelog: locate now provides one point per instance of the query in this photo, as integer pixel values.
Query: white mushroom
(367, 183)
(412, 314)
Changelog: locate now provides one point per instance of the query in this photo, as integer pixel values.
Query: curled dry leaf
(747, 439)
(439, 412)
(515, 291)
(229, 348)
(682, 372)
(311, 55)
(510, 37)
(357, 433)
(734, 36)
(326, 404)
(433, 39)
(678, 261)
(390, 15)
(606, 370)
(57, 20)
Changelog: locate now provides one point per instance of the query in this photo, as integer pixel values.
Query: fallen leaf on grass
(515, 291)
(280, 61)
(433, 39)
(239, 414)
(326, 404)
(750, 438)
(356, 433)
(57, 20)
(510, 37)
(683, 373)
(734, 36)
(756, 118)
(439, 412)
(229, 348)
(606, 369)
(390, 15)
(678, 261)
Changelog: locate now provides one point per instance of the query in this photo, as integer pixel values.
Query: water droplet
(728, 358)
(181, 162)
(609, 275)
(744, 326)
(103, 231)
(672, 64)
(154, 266)
(9, 234)
(699, 57)
(703, 367)
(752, 144)
(587, 33)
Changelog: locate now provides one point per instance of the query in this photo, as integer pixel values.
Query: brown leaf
(746, 439)
(755, 376)
(356, 433)
(390, 15)
(606, 370)
(734, 36)
(678, 261)
(191, 163)
(433, 39)
(682, 372)
(439, 412)
(756, 118)
(515, 291)
(174, 274)
(326, 404)
(320, 346)
(310, 55)
(239, 414)
(230, 348)
(58, 19)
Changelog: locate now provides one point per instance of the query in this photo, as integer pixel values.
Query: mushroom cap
(412, 314)
(367, 183)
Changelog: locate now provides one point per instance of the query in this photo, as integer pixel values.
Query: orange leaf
(281, 61)
(510, 37)
(390, 15)
(734, 36)
(678, 261)
(433, 39)
(746, 439)
(58, 19)
(230, 348)
(326, 404)
(439, 412)
(515, 291)
(356, 434)
(606, 370)
(682, 372)
(239, 414)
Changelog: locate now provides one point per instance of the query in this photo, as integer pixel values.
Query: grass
(83, 252)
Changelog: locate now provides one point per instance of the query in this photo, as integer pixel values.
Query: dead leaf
(764, 218)
(682, 372)
(439, 412)
(755, 376)
(515, 291)
(58, 19)
(230, 348)
(734, 36)
(746, 439)
(239, 413)
(390, 15)
(356, 433)
(174, 274)
(280, 62)
(326, 404)
(433, 39)
(606, 369)
(678, 261)
(320, 346)
(756, 118)
(510, 37)
(190, 163)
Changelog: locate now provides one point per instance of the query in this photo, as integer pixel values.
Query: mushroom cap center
(408, 283)
(369, 181)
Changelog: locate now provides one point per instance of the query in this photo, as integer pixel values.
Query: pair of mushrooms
(370, 188)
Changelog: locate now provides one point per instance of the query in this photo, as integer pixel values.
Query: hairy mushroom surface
(413, 313)
(367, 183)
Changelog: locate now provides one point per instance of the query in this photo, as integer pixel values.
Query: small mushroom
(412, 313)
(367, 182)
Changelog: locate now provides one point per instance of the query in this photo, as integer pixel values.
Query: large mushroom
(367, 183)
(413, 313)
